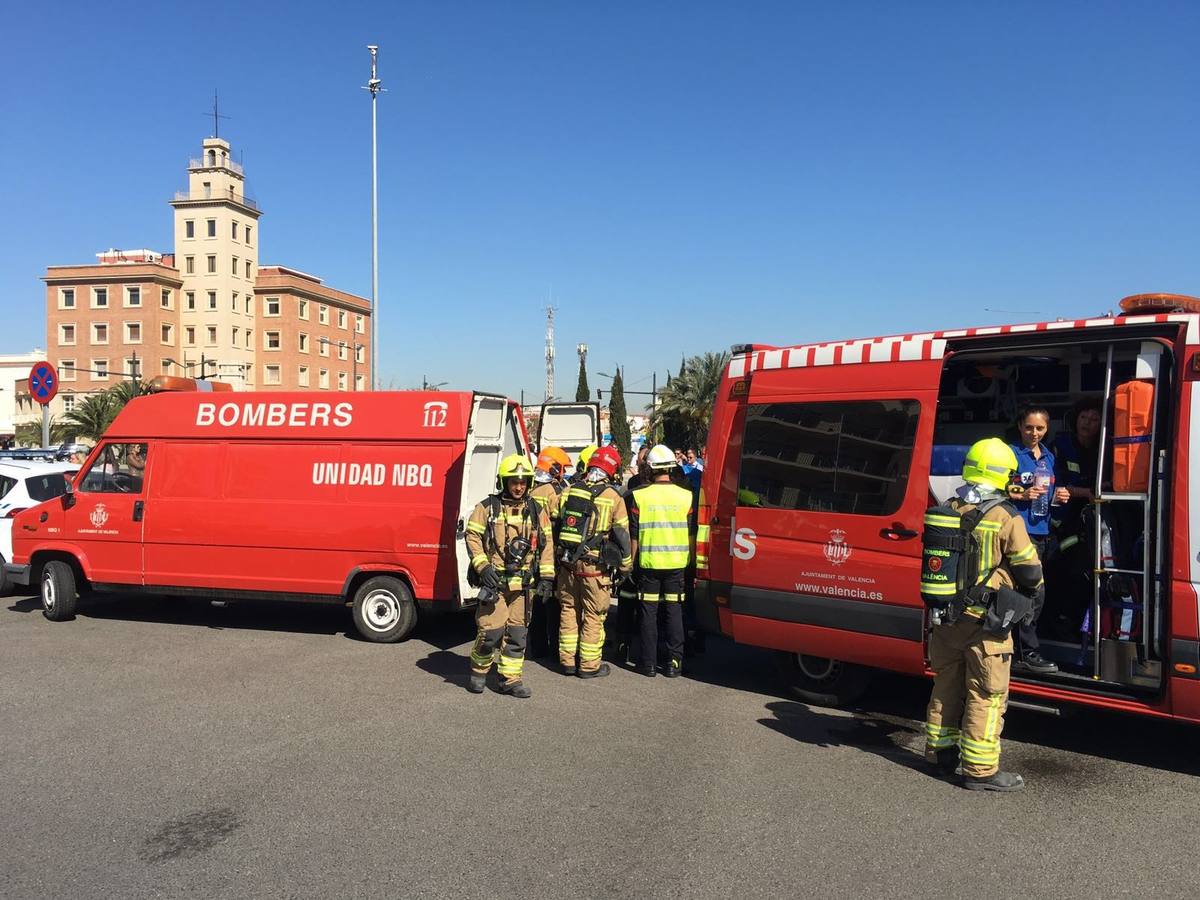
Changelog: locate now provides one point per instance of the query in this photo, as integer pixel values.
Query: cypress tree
(582, 394)
(618, 421)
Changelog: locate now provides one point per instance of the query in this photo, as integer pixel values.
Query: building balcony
(230, 195)
(216, 164)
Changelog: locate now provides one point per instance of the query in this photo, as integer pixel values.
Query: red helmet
(607, 459)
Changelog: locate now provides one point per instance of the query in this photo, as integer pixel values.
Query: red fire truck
(355, 498)
(823, 458)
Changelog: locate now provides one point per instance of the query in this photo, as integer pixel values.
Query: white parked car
(26, 483)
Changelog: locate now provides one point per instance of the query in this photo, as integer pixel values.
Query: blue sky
(677, 176)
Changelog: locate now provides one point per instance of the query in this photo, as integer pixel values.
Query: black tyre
(824, 682)
(4, 582)
(384, 610)
(58, 591)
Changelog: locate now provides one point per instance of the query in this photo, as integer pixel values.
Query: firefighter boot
(477, 683)
(516, 689)
(944, 762)
(673, 668)
(1001, 781)
(601, 672)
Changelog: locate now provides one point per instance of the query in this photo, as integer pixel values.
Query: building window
(358, 352)
(208, 184)
(358, 382)
(133, 332)
(323, 346)
(249, 337)
(323, 380)
(211, 336)
(360, 324)
(212, 299)
(133, 296)
(66, 370)
(270, 340)
(342, 354)
(168, 334)
(234, 230)
(342, 377)
(271, 374)
(302, 307)
(234, 267)
(99, 298)
(235, 335)
(189, 228)
(212, 265)
(189, 334)
(247, 235)
(189, 265)
(66, 334)
(247, 270)
(166, 299)
(233, 304)
(68, 403)
(302, 376)
(165, 366)
(99, 332)
(303, 342)
(323, 314)
(271, 306)
(99, 369)
(66, 298)
(833, 456)
(212, 227)
(341, 318)
(190, 298)
(131, 367)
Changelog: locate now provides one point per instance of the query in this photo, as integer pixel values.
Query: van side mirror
(69, 496)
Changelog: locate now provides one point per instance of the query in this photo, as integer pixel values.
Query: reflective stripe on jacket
(664, 513)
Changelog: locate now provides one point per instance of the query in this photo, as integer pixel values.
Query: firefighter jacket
(606, 518)
(548, 496)
(662, 519)
(493, 525)
(1008, 557)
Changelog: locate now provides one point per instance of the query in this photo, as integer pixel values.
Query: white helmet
(661, 458)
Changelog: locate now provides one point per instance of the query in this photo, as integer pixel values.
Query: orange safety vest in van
(1133, 421)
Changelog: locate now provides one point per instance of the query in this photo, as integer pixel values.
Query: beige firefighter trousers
(501, 626)
(970, 694)
(584, 602)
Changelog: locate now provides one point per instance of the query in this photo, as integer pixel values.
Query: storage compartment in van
(1104, 619)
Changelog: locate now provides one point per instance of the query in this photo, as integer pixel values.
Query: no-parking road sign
(43, 382)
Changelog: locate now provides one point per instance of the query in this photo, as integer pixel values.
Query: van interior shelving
(1081, 628)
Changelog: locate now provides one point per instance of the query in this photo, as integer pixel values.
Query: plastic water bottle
(1042, 478)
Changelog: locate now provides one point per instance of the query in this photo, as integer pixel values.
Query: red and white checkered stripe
(907, 347)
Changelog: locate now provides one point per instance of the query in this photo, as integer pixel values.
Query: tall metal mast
(374, 86)
(549, 353)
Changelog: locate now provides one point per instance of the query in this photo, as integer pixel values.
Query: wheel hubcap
(817, 668)
(48, 599)
(381, 610)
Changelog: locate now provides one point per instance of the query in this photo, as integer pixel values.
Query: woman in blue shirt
(1032, 425)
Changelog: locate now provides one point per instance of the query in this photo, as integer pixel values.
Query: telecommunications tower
(549, 353)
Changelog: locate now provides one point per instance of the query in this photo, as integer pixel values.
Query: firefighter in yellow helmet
(512, 552)
(593, 542)
(582, 463)
(549, 482)
(980, 575)
(662, 523)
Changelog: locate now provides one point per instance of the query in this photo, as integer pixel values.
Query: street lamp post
(374, 86)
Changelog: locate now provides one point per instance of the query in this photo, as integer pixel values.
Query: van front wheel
(384, 609)
(824, 682)
(58, 591)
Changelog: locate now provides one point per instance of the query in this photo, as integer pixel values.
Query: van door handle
(898, 532)
(139, 507)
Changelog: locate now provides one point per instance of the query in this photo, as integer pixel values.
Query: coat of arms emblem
(837, 551)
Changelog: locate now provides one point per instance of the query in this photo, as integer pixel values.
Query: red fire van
(354, 498)
(823, 458)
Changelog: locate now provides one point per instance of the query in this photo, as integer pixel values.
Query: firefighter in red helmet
(593, 544)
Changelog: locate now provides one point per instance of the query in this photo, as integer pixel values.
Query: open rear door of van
(481, 460)
(571, 426)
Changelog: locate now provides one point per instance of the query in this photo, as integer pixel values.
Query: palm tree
(124, 391)
(91, 416)
(30, 433)
(687, 400)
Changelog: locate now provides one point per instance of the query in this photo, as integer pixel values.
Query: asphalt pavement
(160, 748)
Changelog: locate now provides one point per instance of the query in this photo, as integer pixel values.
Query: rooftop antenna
(549, 352)
(216, 115)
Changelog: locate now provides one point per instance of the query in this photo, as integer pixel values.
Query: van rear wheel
(384, 609)
(58, 591)
(822, 681)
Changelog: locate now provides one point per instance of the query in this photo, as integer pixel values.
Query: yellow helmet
(584, 455)
(990, 462)
(515, 466)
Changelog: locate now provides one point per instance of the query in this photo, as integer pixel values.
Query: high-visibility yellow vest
(663, 541)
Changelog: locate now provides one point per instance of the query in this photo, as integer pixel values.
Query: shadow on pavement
(27, 605)
(256, 615)
(452, 668)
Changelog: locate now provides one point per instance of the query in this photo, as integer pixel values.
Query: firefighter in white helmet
(662, 524)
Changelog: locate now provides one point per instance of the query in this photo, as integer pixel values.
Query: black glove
(490, 578)
(544, 589)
